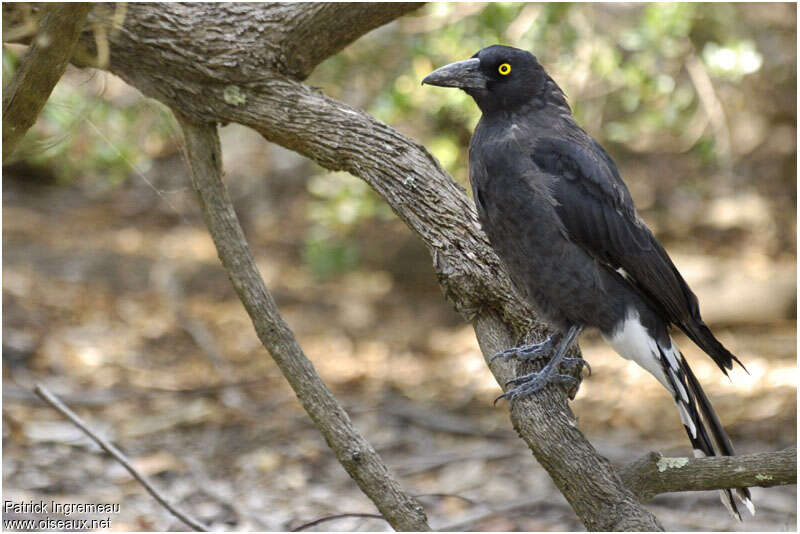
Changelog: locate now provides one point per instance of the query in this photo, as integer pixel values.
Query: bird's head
(499, 78)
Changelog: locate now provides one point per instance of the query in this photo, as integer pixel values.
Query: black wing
(598, 213)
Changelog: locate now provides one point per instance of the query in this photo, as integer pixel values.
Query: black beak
(462, 74)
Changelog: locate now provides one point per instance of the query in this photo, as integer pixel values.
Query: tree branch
(115, 453)
(654, 474)
(39, 70)
(357, 456)
(237, 42)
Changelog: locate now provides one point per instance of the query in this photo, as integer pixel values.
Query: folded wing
(596, 209)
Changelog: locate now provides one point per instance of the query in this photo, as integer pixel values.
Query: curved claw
(503, 396)
(579, 361)
(498, 355)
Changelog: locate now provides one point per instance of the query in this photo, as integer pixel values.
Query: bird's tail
(692, 401)
(694, 327)
(702, 336)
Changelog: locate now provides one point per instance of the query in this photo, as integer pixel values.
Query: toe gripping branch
(561, 369)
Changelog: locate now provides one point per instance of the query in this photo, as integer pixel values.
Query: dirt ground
(115, 301)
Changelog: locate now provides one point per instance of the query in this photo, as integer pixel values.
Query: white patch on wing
(631, 340)
(698, 453)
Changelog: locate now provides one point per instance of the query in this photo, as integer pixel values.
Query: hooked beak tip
(462, 74)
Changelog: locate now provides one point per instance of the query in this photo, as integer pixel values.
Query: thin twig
(332, 517)
(515, 507)
(447, 495)
(103, 397)
(53, 401)
(227, 497)
(423, 465)
(435, 419)
(713, 107)
(170, 285)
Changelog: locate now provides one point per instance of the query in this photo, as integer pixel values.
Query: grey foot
(527, 352)
(533, 382)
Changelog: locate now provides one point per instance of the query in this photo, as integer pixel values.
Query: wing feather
(597, 211)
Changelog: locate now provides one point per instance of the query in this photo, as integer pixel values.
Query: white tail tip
(749, 504)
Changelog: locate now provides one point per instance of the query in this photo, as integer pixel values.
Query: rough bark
(353, 451)
(235, 43)
(587, 480)
(654, 474)
(39, 70)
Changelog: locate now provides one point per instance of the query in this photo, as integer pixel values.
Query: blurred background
(114, 299)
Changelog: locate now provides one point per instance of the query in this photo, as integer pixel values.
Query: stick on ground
(332, 517)
(64, 410)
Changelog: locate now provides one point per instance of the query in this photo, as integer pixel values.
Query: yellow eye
(504, 69)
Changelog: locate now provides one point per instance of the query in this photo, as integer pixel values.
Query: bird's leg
(532, 382)
(531, 351)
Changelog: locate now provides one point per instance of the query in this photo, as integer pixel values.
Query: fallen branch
(170, 285)
(425, 465)
(446, 496)
(332, 517)
(115, 453)
(433, 418)
(654, 474)
(39, 70)
(102, 397)
(355, 453)
(470, 520)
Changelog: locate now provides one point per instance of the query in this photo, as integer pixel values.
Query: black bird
(557, 213)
